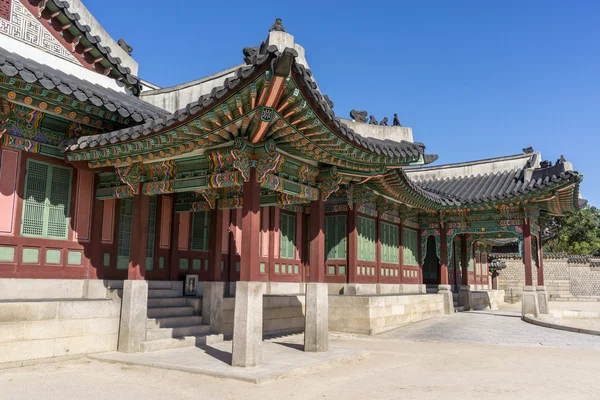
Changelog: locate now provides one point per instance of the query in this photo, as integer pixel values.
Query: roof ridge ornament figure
(122, 44)
(359, 115)
(277, 26)
(528, 150)
(396, 120)
(384, 121)
(372, 120)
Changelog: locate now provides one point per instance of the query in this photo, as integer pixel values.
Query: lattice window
(47, 199)
(5, 7)
(125, 224)
(366, 239)
(411, 246)
(200, 223)
(151, 234)
(335, 237)
(287, 236)
(389, 243)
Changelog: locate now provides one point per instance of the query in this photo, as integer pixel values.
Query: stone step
(459, 308)
(180, 342)
(168, 333)
(173, 322)
(166, 302)
(166, 312)
(155, 293)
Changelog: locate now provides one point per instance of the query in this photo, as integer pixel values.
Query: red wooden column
(527, 259)
(316, 263)
(540, 271)
(443, 256)
(464, 254)
(352, 244)
(215, 243)
(139, 237)
(378, 247)
(249, 265)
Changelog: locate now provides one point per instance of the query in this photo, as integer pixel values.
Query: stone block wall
(370, 315)
(564, 275)
(282, 315)
(35, 331)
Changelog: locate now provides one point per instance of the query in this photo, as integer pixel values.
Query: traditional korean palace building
(244, 176)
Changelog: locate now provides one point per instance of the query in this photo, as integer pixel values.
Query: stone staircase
(174, 321)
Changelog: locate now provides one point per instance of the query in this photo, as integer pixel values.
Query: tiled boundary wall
(44, 319)
(564, 275)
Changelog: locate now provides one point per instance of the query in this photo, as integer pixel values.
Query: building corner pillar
(134, 309)
(542, 293)
(248, 309)
(212, 306)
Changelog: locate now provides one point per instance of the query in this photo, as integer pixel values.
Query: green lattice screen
(366, 239)
(200, 223)
(389, 243)
(335, 237)
(151, 234)
(411, 246)
(47, 198)
(125, 222)
(287, 237)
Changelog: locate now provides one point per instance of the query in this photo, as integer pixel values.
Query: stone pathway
(491, 327)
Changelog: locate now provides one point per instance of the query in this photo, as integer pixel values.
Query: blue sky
(474, 79)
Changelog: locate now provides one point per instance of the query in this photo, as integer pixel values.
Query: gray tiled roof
(86, 30)
(255, 59)
(493, 186)
(126, 105)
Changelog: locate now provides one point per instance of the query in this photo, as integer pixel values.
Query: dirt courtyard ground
(465, 356)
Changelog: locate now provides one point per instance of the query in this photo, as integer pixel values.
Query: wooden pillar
(249, 265)
(443, 256)
(420, 255)
(527, 259)
(464, 253)
(540, 271)
(215, 243)
(378, 248)
(352, 244)
(401, 249)
(139, 237)
(316, 263)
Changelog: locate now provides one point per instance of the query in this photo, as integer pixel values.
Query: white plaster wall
(394, 133)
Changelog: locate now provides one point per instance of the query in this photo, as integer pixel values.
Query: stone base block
(530, 301)
(316, 331)
(465, 297)
(212, 301)
(543, 299)
(134, 310)
(446, 291)
(247, 324)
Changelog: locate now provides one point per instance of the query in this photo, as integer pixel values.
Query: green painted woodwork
(125, 227)
(74, 258)
(390, 243)
(151, 241)
(106, 260)
(366, 239)
(331, 270)
(46, 202)
(237, 266)
(411, 246)
(183, 263)
(122, 262)
(200, 224)
(197, 264)
(296, 269)
(161, 262)
(276, 268)
(342, 270)
(31, 256)
(335, 237)
(53, 256)
(262, 268)
(287, 236)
